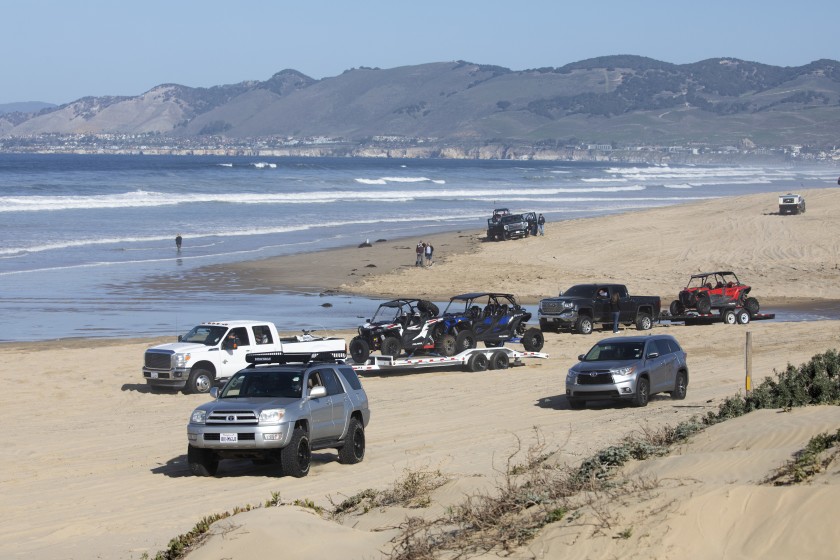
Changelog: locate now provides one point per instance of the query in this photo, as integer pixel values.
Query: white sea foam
(264, 165)
(225, 164)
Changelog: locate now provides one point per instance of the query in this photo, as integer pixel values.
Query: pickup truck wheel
(353, 450)
(533, 340)
(751, 305)
(677, 308)
(644, 322)
(642, 392)
(499, 360)
(464, 341)
(448, 345)
(704, 305)
(478, 362)
(296, 457)
(583, 325)
(391, 346)
(359, 350)
(199, 381)
(203, 462)
(680, 387)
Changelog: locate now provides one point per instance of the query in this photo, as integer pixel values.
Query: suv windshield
(204, 334)
(611, 351)
(256, 383)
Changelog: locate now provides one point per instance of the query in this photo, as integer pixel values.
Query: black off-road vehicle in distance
(402, 325)
(488, 317)
(510, 226)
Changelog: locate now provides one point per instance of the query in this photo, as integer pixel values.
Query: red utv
(714, 290)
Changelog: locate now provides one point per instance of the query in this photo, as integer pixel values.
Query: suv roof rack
(255, 358)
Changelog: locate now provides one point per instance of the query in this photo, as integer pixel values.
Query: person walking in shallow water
(178, 241)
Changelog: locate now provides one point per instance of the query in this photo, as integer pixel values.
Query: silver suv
(631, 368)
(279, 414)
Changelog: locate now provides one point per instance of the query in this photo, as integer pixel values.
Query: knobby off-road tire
(478, 362)
(680, 387)
(203, 462)
(359, 350)
(751, 305)
(642, 392)
(499, 360)
(353, 450)
(704, 305)
(677, 308)
(296, 457)
(644, 322)
(464, 341)
(583, 325)
(533, 340)
(199, 381)
(447, 345)
(391, 346)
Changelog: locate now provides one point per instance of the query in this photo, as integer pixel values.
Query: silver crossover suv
(280, 414)
(630, 368)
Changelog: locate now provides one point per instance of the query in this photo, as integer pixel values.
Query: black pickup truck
(582, 306)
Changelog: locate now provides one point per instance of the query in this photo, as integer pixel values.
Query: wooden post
(748, 362)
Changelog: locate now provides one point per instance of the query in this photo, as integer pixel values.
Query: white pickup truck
(211, 352)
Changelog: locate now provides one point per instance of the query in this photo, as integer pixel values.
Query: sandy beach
(94, 464)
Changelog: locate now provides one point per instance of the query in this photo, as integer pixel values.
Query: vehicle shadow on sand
(178, 467)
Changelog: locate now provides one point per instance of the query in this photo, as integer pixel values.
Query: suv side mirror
(652, 355)
(317, 392)
(214, 392)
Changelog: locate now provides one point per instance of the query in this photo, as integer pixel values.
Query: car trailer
(474, 359)
(730, 316)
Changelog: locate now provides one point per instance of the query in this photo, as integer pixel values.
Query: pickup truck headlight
(272, 416)
(624, 372)
(181, 360)
(198, 416)
(568, 304)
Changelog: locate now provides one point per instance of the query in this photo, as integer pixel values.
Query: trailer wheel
(742, 316)
(478, 362)
(729, 317)
(499, 360)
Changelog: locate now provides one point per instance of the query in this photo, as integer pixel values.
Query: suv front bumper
(237, 438)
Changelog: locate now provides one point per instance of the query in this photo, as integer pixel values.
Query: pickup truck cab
(582, 306)
(211, 352)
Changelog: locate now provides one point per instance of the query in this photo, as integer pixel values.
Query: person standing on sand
(178, 240)
(541, 224)
(429, 251)
(615, 309)
(421, 247)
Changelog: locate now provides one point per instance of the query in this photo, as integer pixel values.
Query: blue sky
(57, 51)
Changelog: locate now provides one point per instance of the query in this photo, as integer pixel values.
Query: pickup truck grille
(594, 378)
(231, 417)
(552, 306)
(158, 360)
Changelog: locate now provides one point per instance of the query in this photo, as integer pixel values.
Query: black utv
(402, 325)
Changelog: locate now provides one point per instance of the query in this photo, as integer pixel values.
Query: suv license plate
(228, 438)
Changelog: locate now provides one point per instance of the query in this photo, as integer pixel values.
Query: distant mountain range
(620, 100)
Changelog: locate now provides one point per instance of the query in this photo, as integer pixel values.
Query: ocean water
(80, 233)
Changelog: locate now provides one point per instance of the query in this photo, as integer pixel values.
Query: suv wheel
(203, 462)
(533, 340)
(296, 457)
(359, 350)
(447, 346)
(680, 387)
(464, 341)
(644, 322)
(391, 346)
(583, 325)
(353, 450)
(642, 392)
(200, 381)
